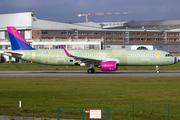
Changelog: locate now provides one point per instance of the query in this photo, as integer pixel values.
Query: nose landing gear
(157, 69)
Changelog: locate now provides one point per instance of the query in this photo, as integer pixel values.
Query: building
(45, 34)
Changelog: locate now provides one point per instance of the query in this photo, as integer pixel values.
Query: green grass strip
(150, 96)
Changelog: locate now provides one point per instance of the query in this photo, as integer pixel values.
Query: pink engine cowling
(108, 66)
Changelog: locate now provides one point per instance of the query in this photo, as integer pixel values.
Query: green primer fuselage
(122, 57)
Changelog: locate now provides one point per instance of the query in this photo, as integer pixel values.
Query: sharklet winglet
(67, 53)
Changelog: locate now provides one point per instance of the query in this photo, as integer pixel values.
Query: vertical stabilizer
(17, 41)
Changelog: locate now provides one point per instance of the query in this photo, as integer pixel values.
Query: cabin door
(158, 56)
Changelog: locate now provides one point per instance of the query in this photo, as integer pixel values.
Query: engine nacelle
(108, 66)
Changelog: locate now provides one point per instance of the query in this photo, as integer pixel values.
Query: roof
(89, 24)
(153, 23)
(149, 25)
(28, 20)
(46, 24)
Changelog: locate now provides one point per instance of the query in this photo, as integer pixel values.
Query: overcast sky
(67, 10)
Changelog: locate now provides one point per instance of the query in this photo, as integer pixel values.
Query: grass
(34, 66)
(150, 96)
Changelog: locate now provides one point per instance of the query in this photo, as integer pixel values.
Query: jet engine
(109, 66)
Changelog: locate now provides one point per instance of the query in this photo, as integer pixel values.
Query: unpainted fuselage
(122, 57)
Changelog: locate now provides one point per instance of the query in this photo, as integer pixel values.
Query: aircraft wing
(82, 59)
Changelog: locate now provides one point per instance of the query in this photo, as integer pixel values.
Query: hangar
(131, 35)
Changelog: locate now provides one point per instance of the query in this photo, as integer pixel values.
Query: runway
(122, 73)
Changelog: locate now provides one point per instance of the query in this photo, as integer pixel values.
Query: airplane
(106, 60)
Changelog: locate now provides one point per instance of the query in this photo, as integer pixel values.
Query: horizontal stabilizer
(14, 54)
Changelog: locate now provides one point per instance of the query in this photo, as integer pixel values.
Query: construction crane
(88, 14)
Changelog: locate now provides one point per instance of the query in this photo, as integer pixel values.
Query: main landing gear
(157, 69)
(91, 70)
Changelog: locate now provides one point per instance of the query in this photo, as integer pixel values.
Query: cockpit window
(167, 55)
(142, 48)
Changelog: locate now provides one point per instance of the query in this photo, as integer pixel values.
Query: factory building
(127, 35)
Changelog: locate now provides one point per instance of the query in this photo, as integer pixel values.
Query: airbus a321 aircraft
(107, 60)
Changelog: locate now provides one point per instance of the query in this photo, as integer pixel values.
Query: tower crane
(88, 14)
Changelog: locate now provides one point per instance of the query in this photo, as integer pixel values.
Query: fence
(123, 112)
(82, 113)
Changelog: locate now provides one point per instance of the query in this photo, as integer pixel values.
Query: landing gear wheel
(91, 70)
(158, 71)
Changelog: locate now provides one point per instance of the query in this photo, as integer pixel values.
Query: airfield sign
(95, 114)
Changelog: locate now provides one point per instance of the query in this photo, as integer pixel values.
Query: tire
(89, 71)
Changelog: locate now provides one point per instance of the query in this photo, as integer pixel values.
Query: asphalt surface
(122, 73)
